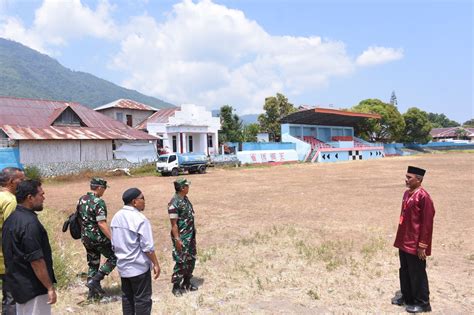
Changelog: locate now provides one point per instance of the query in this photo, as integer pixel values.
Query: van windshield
(163, 159)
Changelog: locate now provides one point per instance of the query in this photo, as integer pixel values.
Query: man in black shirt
(28, 258)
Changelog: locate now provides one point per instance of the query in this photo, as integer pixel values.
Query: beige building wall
(137, 115)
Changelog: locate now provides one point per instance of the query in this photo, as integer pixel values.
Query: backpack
(74, 224)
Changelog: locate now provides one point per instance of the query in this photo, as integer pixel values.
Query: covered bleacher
(322, 131)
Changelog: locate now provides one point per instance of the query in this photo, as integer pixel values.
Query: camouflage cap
(182, 182)
(97, 181)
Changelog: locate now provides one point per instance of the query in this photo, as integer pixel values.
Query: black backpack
(74, 224)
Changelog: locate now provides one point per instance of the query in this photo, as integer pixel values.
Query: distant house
(189, 128)
(52, 131)
(126, 111)
(452, 133)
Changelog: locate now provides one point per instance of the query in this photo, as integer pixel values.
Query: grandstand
(327, 135)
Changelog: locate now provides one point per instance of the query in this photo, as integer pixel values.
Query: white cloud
(202, 53)
(211, 55)
(57, 22)
(376, 55)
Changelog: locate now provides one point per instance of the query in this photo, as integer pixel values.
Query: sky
(212, 53)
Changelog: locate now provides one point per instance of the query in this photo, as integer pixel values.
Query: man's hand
(179, 244)
(52, 296)
(421, 253)
(156, 271)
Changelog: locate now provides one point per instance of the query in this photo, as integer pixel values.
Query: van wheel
(202, 169)
(175, 172)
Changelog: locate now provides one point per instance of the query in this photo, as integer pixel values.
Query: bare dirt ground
(293, 239)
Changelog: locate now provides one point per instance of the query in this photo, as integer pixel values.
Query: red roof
(161, 117)
(128, 104)
(28, 119)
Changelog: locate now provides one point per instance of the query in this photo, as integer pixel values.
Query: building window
(129, 120)
(190, 144)
(119, 117)
(209, 141)
(175, 144)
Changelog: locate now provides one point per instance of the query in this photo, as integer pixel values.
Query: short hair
(25, 188)
(7, 174)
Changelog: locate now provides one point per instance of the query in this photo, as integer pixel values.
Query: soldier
(95, 236)
(183, 237)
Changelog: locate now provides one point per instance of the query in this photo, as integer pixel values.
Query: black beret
(130, 194)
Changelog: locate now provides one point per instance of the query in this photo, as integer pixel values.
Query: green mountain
(27, 73)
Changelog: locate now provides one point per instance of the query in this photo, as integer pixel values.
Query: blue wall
(10, 157)
(324, 133)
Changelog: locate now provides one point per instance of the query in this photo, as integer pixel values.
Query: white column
(185, 143)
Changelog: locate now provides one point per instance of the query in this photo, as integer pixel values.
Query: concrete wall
(46, 151)
(137, 115)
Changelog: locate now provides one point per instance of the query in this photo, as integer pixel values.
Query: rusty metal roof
(450, 132)
(327, 117)
(160, 117)
(127, 104)
(31, 119)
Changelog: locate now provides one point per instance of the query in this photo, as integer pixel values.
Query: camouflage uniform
(182, 209)
(92, 209)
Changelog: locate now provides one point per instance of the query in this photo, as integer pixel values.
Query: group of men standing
(28, 276)
(27, 273)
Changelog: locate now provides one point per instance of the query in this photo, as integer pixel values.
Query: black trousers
(413, 279)
(136, 297)
(8, 302)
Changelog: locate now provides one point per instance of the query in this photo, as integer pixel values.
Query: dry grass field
(291, 239)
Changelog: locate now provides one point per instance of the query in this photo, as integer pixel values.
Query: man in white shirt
(132, 242)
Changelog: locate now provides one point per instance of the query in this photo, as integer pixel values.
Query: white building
(188, 128)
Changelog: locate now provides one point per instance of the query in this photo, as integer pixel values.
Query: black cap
(130, 194)
(416, 170)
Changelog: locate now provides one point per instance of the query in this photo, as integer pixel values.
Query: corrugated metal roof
(23, 119)
(449, 132)
(128, 104)
(161, 117)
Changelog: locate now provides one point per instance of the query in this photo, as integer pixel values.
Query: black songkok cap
(416, 170)
(130, 194)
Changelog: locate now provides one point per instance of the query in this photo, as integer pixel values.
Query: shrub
(33, 172)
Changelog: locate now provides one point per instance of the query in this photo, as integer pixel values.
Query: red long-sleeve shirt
(415, 228)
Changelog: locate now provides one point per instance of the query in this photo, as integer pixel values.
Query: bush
(32, 172)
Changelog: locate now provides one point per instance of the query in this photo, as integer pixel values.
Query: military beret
(97, 181)
(182, 182)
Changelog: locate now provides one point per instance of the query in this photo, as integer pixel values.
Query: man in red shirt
(413, 240)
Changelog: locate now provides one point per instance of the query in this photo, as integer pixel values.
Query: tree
(231, 125)
(388, 129)
(417, 126)
(469, 123)
(441, 121)
(249, 132)
(275, 109)
(461, 133)
(393, 99)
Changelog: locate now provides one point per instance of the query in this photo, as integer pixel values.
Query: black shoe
(418, 308)
(398, 300)
(190, 287)
(94, 283)
(177, 290)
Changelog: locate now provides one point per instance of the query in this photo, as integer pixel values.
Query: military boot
(177, 290)
(94, 283)
(188, 286)
(93, 295)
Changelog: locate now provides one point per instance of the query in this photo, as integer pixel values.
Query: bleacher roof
(327, 117)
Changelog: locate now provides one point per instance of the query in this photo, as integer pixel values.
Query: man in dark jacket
(28, 257)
